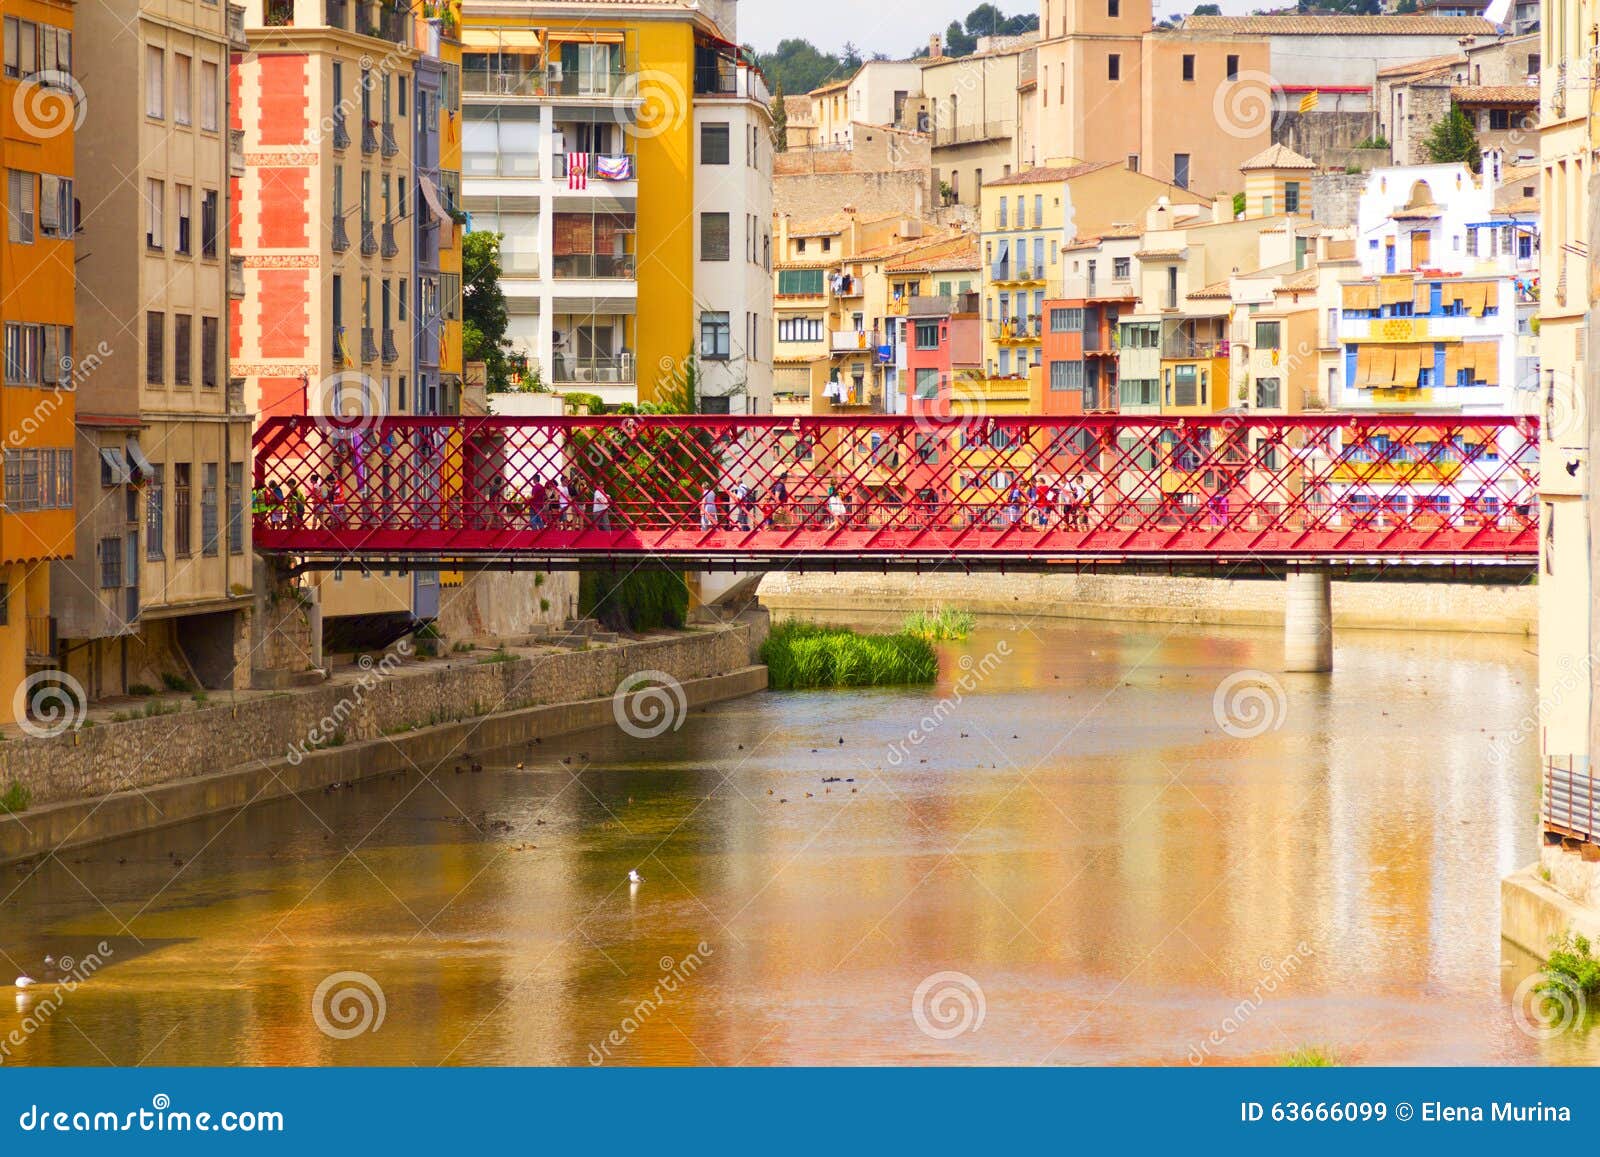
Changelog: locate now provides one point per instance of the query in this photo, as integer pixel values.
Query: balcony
(341, 134)
(967, 134)
(391, 147)
(236, 35)
(603, 369)
(278, 13)
(391, 247)
(369, 137)
(604, 168)
(505, 80)
(341, 355)
(235, 277)
(236, 152)
(592, 266)
(369, 239)
(40, 638)
(852, 341)
(391, 352)
(336, 13)
(608, 76)
(1178, 346)
(341, 238)
(1013, 274)
(369, 344)
(394, 25)
(1015, 329)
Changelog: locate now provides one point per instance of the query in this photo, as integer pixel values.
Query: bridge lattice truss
(899, 491)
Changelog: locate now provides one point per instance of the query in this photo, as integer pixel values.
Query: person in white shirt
(602, 509)
(708, 508)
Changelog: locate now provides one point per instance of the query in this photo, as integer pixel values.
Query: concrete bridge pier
(1308, 620)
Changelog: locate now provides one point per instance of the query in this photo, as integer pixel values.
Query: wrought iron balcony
(390, 145)
(391, 247)
(341, 239)
(369, 344)
(369, 137)
(341, 356)
(369, 239)
(341, 134)
(391, 352)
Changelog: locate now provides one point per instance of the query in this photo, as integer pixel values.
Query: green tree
(957, 42)
(1453, 139)
(1208, 10)
(780, 119)
(483, 308)
(799, 66)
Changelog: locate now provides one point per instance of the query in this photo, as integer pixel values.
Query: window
(1113, 8)
(1291, 196)
(927, 335)
(1114, 66)
(1066, 375)
(182, 348)
(154, 81)
(110, 551)
(1268, 335)
(1180, 170)
(208, 351)
(155, 515)
(715, 237)
(155, 200)
(927, 385)
(57, 216)
(235, 507)
(800, 329)
(182, 81)
(20, 195)
(182, 513)
(714, 144)
(1188, 66)
(185, 216)
(210, 537)
(1232, 67)
(1499, 119)
(1069, 320)
(715, 335)
(1269, 393)
(155, 371)
(24, 352)
(800, 282)
(1121, 268)
(209, 81)
(208, 223)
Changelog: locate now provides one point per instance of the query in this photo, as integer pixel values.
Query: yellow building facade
(38, 117)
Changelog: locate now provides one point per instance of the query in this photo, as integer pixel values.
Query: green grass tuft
(1572, 966)
(15, 798)
(800, 654)
(1310, 1057)
(942, 623)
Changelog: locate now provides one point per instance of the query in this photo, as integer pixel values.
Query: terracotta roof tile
(1495, 94)
(1041, 175)
(1278, 157)
(1426, 65)
(1342, 25)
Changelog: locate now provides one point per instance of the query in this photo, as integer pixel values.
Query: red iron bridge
(908, 493)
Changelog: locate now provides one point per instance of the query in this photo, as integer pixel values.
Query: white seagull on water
(634, 877)
(26, 982)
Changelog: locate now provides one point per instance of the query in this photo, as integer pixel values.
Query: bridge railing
(700, 487)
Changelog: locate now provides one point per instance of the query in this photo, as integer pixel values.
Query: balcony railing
(391, 352)
(851, 341)
(341, 133)
(1186, 347)
(502, 82)
(369, 239)
(599, 266)
(604, 368)
(235, 276)
(390, 145)
(369, 137)
(236, 33)
(596, 81)
(390, 246)
(1015, 328)
(717, 79)
(236, 152)
(341, 239)
(278, 13)
(369, 344)
(624, 166)
(337, 14)
(341, 355)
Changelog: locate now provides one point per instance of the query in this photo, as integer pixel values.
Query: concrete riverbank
(1373, 605)
(101, 780)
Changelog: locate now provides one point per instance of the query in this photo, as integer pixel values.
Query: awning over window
(1360, 295)
(1396, 290)
(430, 194)
(141, 464)
(116, 467)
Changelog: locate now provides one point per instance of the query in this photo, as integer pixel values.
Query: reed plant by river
(801, 654)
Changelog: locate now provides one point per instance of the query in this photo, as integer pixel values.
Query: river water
(1059, 854)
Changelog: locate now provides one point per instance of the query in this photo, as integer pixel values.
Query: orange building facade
(39, 111)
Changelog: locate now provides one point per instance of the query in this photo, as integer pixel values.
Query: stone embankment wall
(263, 731)
(1392, 606)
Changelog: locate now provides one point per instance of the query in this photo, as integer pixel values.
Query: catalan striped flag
(577, 170)
(1308, 103)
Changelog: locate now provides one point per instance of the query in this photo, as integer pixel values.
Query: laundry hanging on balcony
(617, 168)
(577, 170)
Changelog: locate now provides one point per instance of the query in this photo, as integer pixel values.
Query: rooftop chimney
(935, 46)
